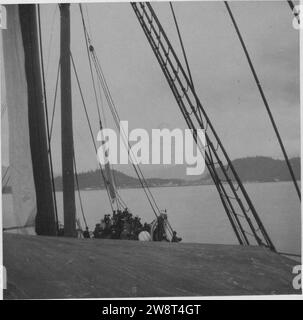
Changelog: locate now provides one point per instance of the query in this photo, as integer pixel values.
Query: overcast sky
(220, 71)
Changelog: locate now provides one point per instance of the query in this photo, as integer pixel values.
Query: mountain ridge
(249, 169)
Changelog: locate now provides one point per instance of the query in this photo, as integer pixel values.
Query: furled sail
(28, 158)
(110, 178)
(110, 182)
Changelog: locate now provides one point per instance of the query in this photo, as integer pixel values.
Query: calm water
(197, 214)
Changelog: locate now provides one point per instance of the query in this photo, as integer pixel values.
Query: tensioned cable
(51, 39)
(55, 100)
(264, 99)
(79, 192)
(116, 117)
(181, 43)
(46, 116)
(184, 54)
(88, 20)
(90, 127)
(117, 121)
(87, 41)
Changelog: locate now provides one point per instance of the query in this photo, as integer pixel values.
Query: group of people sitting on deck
(122, 225)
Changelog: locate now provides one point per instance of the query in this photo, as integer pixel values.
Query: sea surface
(197, 214)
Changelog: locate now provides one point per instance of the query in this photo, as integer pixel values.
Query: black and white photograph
(150, 150)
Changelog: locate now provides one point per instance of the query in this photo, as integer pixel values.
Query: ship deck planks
(52, 267)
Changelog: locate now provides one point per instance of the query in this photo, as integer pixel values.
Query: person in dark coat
(86, 234)
(98, 231)
(175, 238)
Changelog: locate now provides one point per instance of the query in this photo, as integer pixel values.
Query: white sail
(20, 161)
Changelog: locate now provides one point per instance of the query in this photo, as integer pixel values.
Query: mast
(67, 142)
(45, 223)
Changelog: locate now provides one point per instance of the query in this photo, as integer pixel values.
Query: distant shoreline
(250, 170)
(171, 186)
(185, 185)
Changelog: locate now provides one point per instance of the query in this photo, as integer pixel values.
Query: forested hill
(251, 169)
(264, 169)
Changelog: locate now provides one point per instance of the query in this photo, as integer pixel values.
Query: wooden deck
(45, 267)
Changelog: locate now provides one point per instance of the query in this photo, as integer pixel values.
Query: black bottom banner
(134, 309)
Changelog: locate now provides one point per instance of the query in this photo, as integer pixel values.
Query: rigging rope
(50, 40)
(87, 43)
(264, 99)
(55, 99)
(185, 56)
(116, 118)
(115, 115)
(79, 192)
(90, 127)
(87, 40)
(47, 119)
(181, 43)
